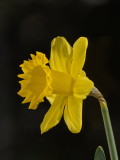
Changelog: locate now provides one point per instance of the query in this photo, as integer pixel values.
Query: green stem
(107, 123)
(108, 130)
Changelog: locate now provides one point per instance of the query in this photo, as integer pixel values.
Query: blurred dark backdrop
(27, 26)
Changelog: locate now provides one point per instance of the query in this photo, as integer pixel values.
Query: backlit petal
(73, 114)
(82, 87)
(79, 55)
(82, 73)
(54, 114)
(60, 58)
(51, 98)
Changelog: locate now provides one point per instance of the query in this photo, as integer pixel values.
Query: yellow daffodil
(64, 83)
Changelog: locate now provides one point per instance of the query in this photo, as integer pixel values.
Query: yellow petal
(73, 114)
(54, 114)
(61, 52)
(82, 73)
(79, 55)
(51, 98)
(82, 87)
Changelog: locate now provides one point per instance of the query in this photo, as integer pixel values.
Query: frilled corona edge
(36, 83)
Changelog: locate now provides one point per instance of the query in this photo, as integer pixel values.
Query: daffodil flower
(64, 83)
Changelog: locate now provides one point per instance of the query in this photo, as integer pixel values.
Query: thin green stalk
(109, 131)
(107, 123)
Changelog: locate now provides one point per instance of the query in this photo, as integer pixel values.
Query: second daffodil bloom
(64, 83)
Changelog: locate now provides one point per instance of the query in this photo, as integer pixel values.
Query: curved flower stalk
(64, 83)
(108, 126)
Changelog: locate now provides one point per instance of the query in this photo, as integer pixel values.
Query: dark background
(27, 26)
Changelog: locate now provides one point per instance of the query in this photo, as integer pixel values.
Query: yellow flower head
(64, 83)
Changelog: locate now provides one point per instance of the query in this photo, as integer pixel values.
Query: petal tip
(43, 129)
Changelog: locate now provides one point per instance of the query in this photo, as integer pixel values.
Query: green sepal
(99, 154)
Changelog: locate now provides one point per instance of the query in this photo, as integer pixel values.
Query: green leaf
(99, 154)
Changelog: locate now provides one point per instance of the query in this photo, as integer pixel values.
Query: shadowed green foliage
(99, 154)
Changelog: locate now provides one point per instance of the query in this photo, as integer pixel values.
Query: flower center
(62, 83)
(38, 80)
